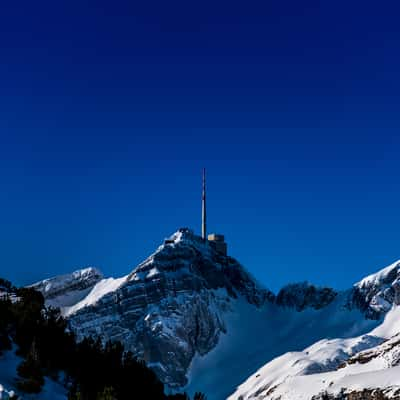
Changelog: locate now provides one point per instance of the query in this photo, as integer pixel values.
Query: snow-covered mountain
(67, 290)
(202, 322)
(362, 367)
(167, 310)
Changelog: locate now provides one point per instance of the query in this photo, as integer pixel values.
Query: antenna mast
(203, 208)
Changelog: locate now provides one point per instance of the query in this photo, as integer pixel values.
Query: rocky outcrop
(377, 293)
(171, 307)
(373, 296)
(78, 281)
(177, 303)
(388, 351)
(366, 394)
(304, 295)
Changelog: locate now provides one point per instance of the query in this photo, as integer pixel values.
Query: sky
(109, 111)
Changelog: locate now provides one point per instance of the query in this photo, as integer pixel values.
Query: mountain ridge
(363, 367)
(187, 308)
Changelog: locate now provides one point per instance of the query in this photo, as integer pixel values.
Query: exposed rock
(304, 295)
(389, 351)
(366, 394)
(174, 306)
(375, 294)
(78, 281)
(171, 306)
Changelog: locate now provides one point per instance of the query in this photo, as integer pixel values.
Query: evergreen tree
(31, 378)
(107, 394)
(94, 371)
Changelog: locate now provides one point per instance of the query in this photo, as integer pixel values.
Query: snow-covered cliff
(202, 322)
(360, 367)
(167, 310)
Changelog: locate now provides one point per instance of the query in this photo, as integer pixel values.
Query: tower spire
(203, 208)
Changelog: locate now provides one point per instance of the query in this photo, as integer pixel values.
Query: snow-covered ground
(188, 317)
(102, 288)
(378, 277)
(255, 336)
(300, 375)
(81, 288)
(8, 374)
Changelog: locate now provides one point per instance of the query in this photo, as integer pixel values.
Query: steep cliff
(166, 310)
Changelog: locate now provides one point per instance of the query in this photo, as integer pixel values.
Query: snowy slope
(66, 290)
(360, 365)
(170, 308)
(376, 293)
(202, 322)
(8, 373)
(102, 288)
(255, 336)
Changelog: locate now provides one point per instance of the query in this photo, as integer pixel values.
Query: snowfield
(334, 366)
(256, 335)
(101, 288)
(202, 323)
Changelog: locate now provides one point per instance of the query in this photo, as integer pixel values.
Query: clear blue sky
(109, 110)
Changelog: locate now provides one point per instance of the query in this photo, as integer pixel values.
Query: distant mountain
(363, 367)
(66, 290)
(202, 322)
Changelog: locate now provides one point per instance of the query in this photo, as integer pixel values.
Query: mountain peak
(171, 307)
(65, 290)
(185, 259)
(176, 306)
(377, 293)
(303, 295)
(384, 276)
(76, 280)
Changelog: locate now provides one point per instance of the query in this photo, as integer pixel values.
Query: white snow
(61, 290)
(61, 281)
(296, 375)
(102, 288)
(390, 325)
(8, 373)
(257, 335)
(375, 279)
(304, 387)
(68, 299)
(66, 290)
(153, 272)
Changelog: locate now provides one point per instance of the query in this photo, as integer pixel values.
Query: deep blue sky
(109, 110)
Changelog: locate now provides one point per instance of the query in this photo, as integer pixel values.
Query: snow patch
(9, 362)
(377, 278)
(102, 288)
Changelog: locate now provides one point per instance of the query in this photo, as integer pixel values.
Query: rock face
(176, 306)
(352, 368)
(69, 288)
(304, 295)
(375, 294)
(365, 394)
(388, 351)
(170, 307)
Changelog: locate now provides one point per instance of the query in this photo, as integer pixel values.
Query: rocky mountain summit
(377, 293)
(66, 290)
(166, 310)
(189, 308)
(303, 295)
